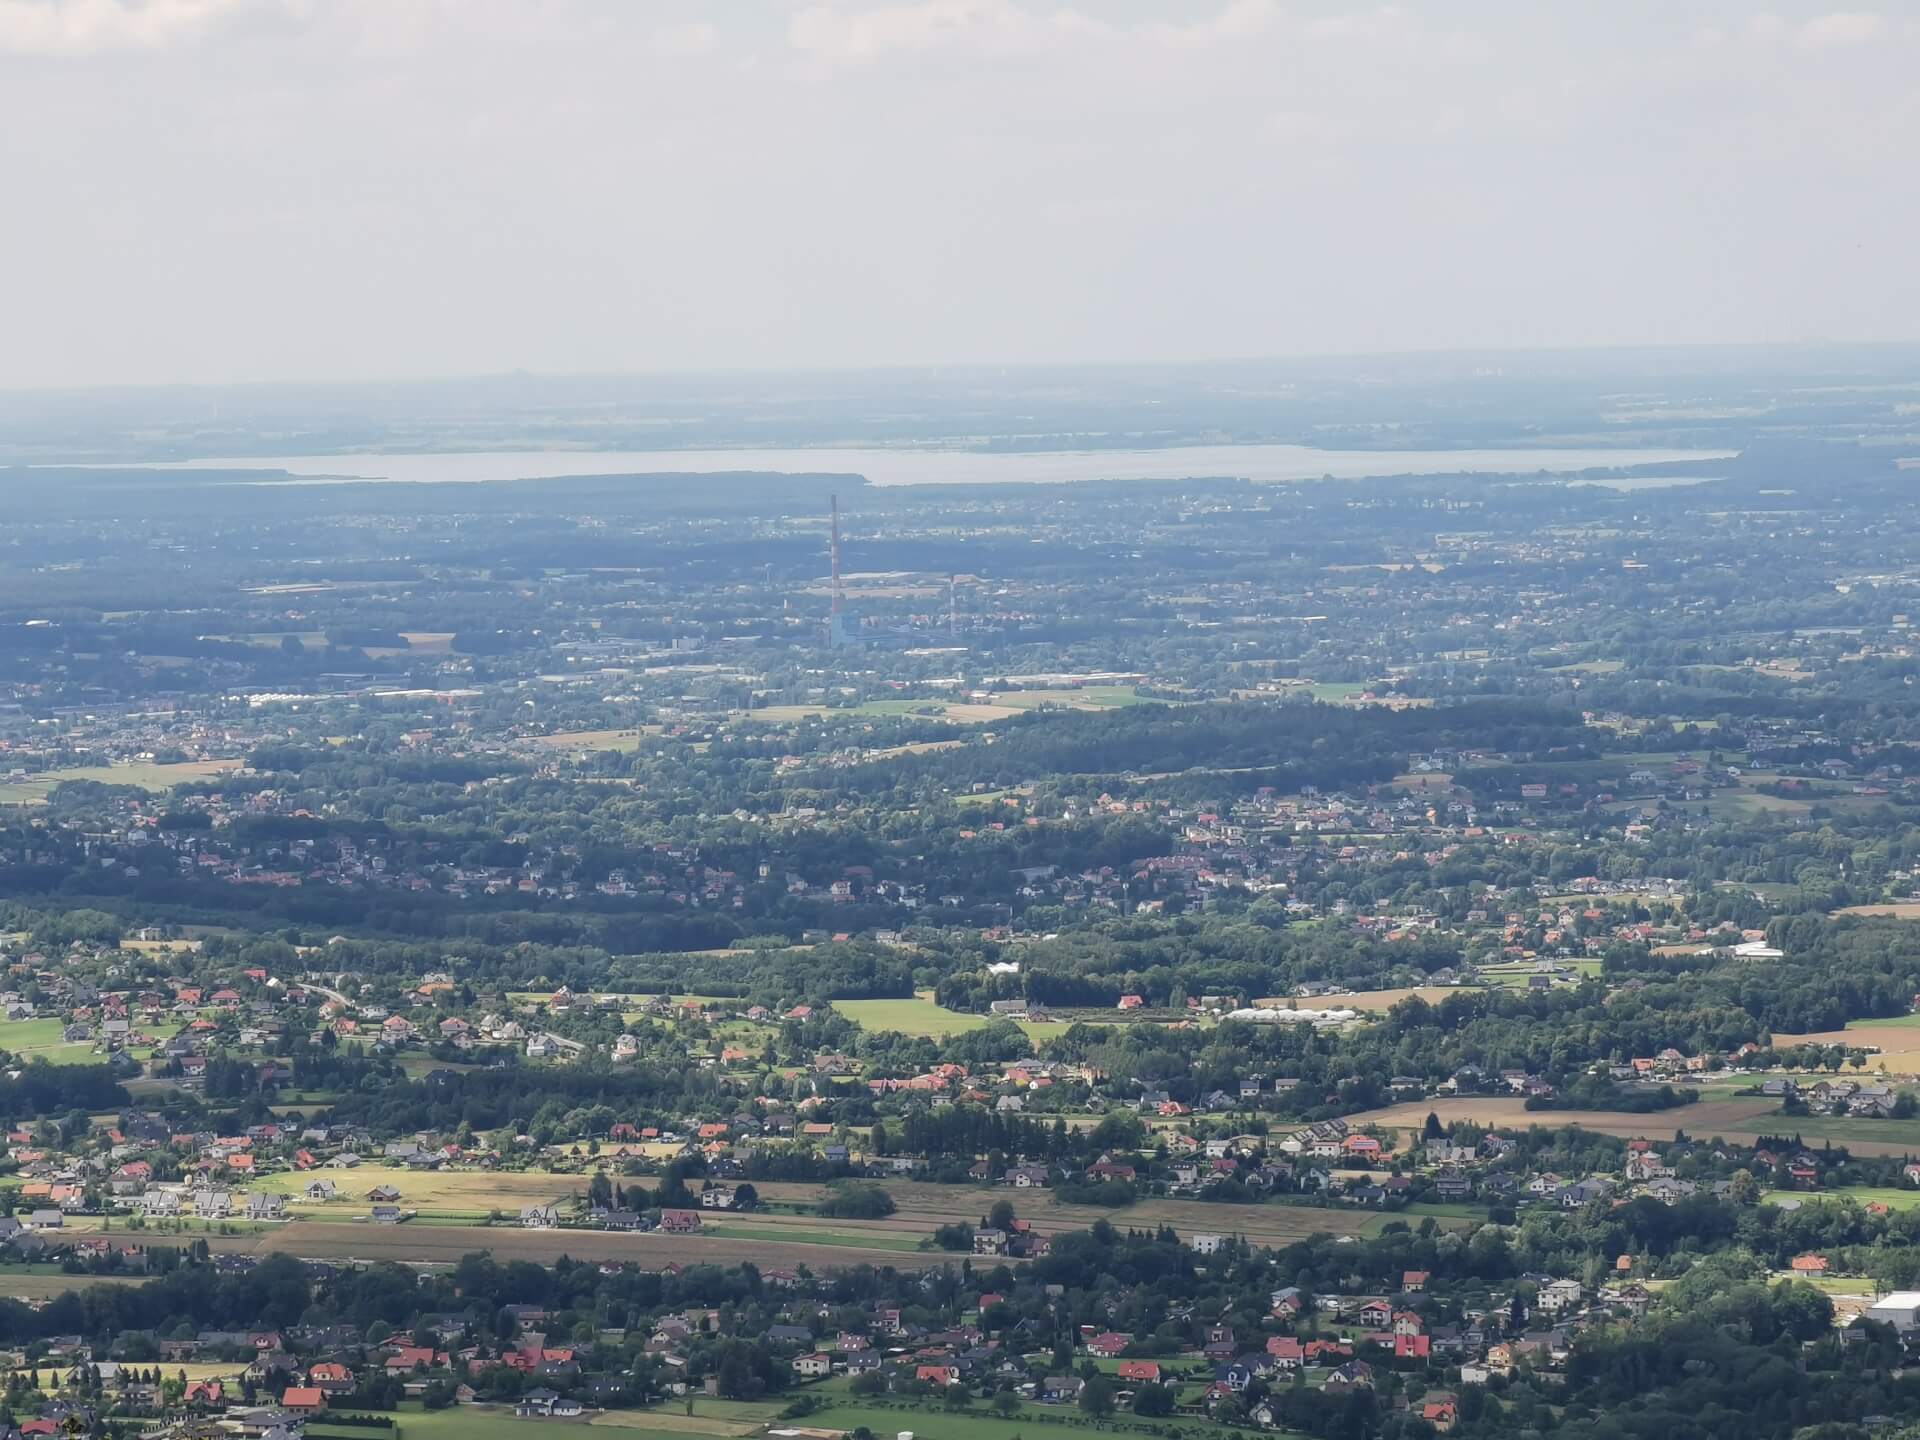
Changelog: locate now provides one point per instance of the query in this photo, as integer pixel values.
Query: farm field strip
(1896, 1038)
(1745, 1118)
(922, 1208)
(444, 1233)
(444, 1245)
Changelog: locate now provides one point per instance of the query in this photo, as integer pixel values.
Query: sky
(238, 190)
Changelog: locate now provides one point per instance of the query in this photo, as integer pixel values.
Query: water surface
(1263, 463)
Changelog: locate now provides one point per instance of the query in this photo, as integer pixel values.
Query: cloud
(830, 32)
(696, 37)
(87, 27)
(849, 34)
(1299, 127)
(1361, 25)
(1841, 28)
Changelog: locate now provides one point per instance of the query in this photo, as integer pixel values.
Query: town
(820, 960)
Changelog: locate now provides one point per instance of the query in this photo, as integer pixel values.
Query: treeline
(41, 1089)
(1294, 745)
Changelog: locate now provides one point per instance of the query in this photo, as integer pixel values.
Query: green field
(40, 1040)
(1890, 1196)
(1841, 1129)
(44, 1282)
(918, 1017)
(470, 1422)
(1748, 804)
(146, 775)
(1446, 1210)
(1029, 1422)
(922, 1018)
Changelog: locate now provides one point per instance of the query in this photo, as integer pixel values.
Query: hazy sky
(283, 189)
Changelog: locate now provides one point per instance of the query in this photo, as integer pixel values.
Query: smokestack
(836, 562)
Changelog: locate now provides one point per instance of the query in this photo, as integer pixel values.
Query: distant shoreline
(896, 466)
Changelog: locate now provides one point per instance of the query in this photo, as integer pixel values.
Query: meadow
(144, 774)
(919, 1016)
(39, 1039)
(922, 1017)
(1890, 1196)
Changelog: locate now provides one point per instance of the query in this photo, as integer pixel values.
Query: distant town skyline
(236, 190)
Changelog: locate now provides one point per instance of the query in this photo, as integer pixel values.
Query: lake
(1268, 464)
